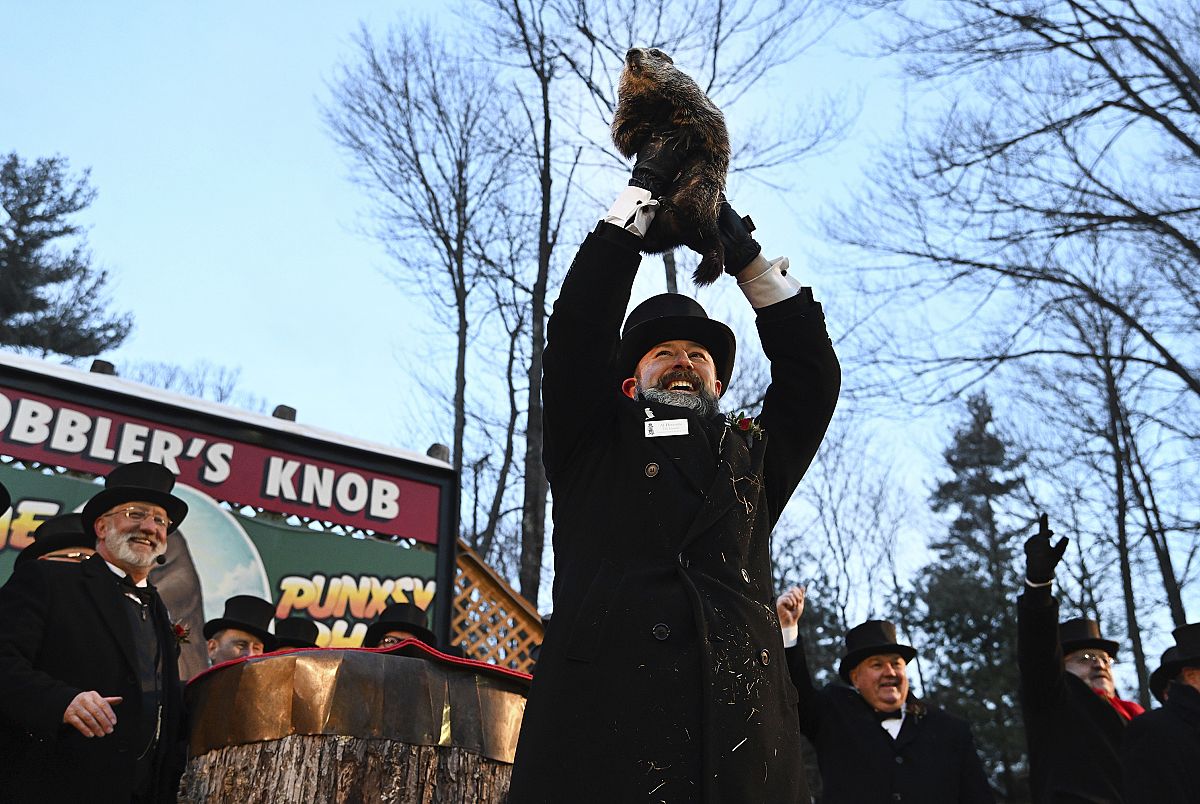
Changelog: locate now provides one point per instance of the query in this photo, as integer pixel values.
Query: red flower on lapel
(183, 634)
(746, 424)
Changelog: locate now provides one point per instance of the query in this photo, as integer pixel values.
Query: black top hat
(871, 639)
(1187, 650)
(1081, 633)
(675, 317)
(296, 632)
(57, 533)
(5, 499)
(399, 617)
(1162, 676)
(143, 481)
(245, 613)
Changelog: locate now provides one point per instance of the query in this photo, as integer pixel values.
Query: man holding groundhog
(662, 677)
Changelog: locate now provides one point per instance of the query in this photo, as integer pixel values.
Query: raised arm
(584, 331)
(1039, 653)
(805, 373)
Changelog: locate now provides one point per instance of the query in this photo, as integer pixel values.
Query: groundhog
(655, 97)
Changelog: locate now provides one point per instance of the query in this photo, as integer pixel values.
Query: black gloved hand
(1041, 557)
(740, 247)
(658, 163)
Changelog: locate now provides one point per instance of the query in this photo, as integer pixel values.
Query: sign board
(291, 475)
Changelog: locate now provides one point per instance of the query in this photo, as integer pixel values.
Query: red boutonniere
(183, 634)
(746, 424)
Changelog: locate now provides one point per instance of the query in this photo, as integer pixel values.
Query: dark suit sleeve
(1039, 654)
(805, 381)
(809, 709)
(972, 783)
(31, 699)
(582, 337)
(1151, 762)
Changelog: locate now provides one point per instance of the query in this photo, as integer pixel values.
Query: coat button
(899, 760)
(746, 576)
(684, 561)
(764, 656)
(897, 797)
(651, 469)
(661, 631)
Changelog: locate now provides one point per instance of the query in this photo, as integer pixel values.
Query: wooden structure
(489, 620)
(399, 725)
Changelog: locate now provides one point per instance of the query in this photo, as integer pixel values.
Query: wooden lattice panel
(490, 621)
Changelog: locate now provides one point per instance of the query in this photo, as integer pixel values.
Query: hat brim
(110, 498)
(376, 631)
(1106, 645)
(852, 659)
(214, 627)
(713, 335)
(45, 545)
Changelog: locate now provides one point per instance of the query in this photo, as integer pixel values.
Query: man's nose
(682, 360)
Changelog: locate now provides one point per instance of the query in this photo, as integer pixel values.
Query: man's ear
(629, 388)
(719, 387)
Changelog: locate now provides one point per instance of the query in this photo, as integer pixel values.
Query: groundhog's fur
(655, 97)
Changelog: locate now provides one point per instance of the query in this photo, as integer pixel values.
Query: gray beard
(703, 403)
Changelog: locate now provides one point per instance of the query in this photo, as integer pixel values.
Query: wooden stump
(405, 725)
(342, 769)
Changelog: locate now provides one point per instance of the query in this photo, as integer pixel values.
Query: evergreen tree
(52, 298)
(968, 617)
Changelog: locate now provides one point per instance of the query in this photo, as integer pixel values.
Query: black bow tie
(885, 716)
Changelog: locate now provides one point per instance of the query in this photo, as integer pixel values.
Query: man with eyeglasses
(1074, 721)
(92, 708)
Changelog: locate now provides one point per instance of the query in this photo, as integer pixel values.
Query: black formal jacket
(1074, 735)
(661, 675)
(931, 761)
(1160, 752)
(64, 629)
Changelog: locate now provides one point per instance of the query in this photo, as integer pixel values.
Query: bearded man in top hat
(242, 630)
(1074, 721)
(660, 676)
(876, 742)
(1160, 754)
(92, 704)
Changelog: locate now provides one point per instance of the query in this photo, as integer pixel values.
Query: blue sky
(223, 211)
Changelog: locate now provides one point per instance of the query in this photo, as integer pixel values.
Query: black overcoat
(64, 630)
(1074, 735)
(661, 677)
(1160, 751)
(933, 760)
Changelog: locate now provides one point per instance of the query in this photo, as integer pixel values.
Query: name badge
(666, 427)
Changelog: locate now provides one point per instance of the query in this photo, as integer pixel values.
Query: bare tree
(202, 379)
(423, 127)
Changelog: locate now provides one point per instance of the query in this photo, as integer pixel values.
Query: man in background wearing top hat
(1160, 754)
(241, 630)
(660, 676)
(296, 632)
(1074, 721)
(92, 704)
(59, 538)
(398, 622)
(875, 741)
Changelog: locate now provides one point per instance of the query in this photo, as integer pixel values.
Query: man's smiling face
(678, 367)
(882, 680)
